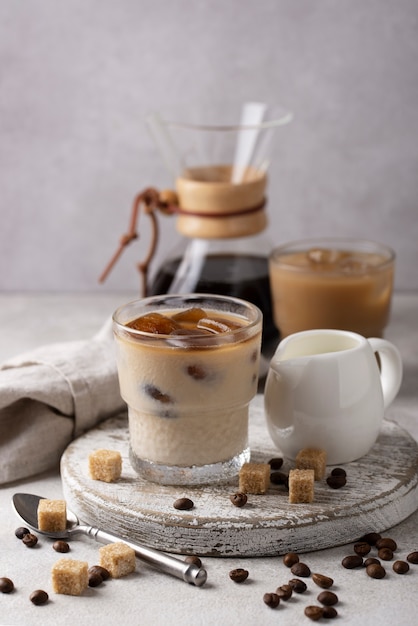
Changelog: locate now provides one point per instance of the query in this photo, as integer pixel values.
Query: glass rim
(188, 298)
(333, 243)
(284, 117)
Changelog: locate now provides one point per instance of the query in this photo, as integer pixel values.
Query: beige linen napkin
(49, 396)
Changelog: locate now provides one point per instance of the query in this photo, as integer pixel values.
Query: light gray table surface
(150, 597)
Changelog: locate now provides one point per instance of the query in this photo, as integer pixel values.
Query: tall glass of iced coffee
(188, 368)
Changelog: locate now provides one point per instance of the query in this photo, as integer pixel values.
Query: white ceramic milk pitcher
(325, 389)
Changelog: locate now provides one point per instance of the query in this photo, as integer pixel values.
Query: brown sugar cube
(118, 558)
(312, 458)
(254, 478)
(52, 515)
(301, 485)
(70, 577)
(105, 465)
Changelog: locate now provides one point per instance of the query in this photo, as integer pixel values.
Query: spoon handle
(189, 572)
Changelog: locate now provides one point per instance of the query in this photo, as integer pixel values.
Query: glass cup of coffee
(343, 284)
(188, 369)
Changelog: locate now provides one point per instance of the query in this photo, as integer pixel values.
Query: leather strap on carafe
(150, 200)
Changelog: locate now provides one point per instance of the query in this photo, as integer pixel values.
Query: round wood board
(381, 491)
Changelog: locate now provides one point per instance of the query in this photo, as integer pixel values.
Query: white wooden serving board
(381, 491)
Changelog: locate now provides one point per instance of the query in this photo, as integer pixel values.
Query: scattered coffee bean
(329, 612)
(238, 575)
(371, 561)
(101, 571)
(192, 558)
(338, 471)
(362, 548)
(371, 538)
(95, 579)
(21, 532)
(413, 557)
(325, 582)
(290, 559)
(386, 542)
(300, 569)
(6, 585)
(30, 540)
(352, 561)
(336, 482)
(271, 599)
(375, 571)
(298, 586)
(61, 546)
(39, 597)
(314, 612)
(183, 504)
(385, 554)
(329, 598)
(276, 463)
(400, 567)
(284, 592)
(279, 478)
(238, 499)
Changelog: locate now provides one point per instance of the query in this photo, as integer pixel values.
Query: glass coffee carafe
(219, 168)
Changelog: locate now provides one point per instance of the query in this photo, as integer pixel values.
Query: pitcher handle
(391, 368)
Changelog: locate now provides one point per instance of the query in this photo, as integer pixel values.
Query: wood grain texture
(381, 491)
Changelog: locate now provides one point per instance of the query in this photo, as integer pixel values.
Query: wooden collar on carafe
(213, 207)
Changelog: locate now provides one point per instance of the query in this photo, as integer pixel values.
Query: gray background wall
(78, 77)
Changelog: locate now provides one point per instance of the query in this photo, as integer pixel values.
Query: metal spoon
(26, 506)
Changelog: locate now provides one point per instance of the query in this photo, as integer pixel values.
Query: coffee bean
(30, 540)
(276, 463)
(183, 504)
(101, 571)
(314, 612)
(329, 612)
(371, 538)
(371, 561)
(95, 579)
(352, 561)
(298, 586)
(336, 482)
(413, 557)
(329, 598)
(238, 575)
(191, 558)
(6, 585)
(39, 597)
(387, 542)
(325, 582)
(290, 559)
(385, 554)
(61, 546)
(271, 599)
(300, 569)
(338, 471)
(279, 478)
(21, 532)
(362, 548)
(400, 567)
(375, 571)
(284, 592)
(238, 499)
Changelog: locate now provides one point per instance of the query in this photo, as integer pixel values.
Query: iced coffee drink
(188, 368)
(338, 284)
